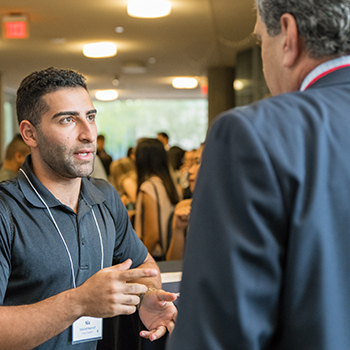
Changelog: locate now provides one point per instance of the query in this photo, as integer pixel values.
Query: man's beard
(60, 158)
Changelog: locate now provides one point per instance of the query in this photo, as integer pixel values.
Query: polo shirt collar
(91, 194)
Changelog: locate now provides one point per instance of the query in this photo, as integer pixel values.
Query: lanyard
(59, 231)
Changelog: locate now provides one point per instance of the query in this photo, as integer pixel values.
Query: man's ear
(291, 44)
(28, 132)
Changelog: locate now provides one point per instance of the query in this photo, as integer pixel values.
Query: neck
(302, 70)
(66, 190)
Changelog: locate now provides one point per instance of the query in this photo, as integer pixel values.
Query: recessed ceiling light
(185, 83)
(119, 29)
(100, 50)
(149, 8)
(106, 95)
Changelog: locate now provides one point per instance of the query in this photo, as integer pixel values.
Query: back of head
(324, 25)
(175, 155)
(152, 160)
(122, 168)
(163, 137)
(29, 104)
(16, 145)
(100, 141)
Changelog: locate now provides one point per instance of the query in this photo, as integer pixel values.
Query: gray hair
(323, 24)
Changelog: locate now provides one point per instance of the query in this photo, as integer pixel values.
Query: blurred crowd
(155, 183)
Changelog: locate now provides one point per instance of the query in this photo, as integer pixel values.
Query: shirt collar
(91, 194)
(323, 69)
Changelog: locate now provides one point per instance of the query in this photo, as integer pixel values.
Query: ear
(17, 156)
(28, 132)
(291, 44)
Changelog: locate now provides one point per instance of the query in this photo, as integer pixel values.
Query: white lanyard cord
(59, 231)
(99, 233)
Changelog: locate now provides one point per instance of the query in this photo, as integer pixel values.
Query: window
(124, 122)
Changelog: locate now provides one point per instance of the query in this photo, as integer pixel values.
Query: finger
(123, 266)
(135, 288)
(170, 327)
(153, 334)
(175, 316)
(129, 299)
(134, 274)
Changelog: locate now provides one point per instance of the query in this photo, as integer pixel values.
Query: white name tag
(86, 329)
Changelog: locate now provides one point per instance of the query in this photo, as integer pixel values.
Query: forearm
(176, 247)
(27, 326)
(150, 239)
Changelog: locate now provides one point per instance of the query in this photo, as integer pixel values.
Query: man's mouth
(84, 154)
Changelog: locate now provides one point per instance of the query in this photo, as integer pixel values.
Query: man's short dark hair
(29, 104)
(164, 134)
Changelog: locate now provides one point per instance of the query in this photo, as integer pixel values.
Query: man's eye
(258, 42)
(67, 120)
(91, 117)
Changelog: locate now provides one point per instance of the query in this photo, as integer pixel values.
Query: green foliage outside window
(124, 122)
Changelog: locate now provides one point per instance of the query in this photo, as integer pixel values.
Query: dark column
(2, 123)
(221, 95)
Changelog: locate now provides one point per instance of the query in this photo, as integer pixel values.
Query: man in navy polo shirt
(61, 231)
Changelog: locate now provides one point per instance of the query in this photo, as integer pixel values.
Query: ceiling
(197, 35)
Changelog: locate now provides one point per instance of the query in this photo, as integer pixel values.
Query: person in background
(16, 152)
(181, 217)
(157, 196)
(175, 156)
(131, 153)
(124, 179)
(99, 171)
(267, 260)
(164, 139)
(106, 159)
(187, 162)
(61, 231)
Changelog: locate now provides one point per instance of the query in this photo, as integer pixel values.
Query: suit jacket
(267, 259)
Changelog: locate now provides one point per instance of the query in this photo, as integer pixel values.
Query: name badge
(86, 329)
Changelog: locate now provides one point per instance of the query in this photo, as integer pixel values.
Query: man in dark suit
(267, 259)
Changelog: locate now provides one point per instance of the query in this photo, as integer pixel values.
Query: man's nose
(87, 131)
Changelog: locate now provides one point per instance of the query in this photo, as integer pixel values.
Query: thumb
(166, 296)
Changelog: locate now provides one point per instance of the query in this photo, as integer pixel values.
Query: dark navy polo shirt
(34, 263)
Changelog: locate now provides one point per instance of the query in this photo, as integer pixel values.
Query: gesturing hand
(106, 293)
(158, 314)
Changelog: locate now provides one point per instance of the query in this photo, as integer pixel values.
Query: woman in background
(182, 212)
(123, 176)
(157, 196)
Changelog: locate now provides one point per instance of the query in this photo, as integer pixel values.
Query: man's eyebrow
(59, 114)
(75, 113)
